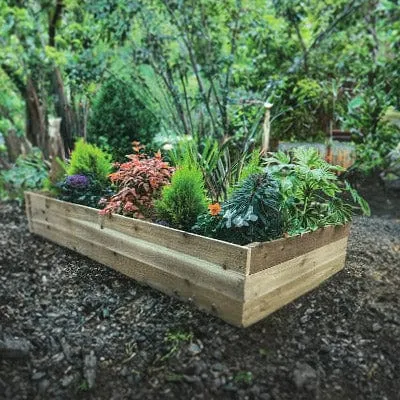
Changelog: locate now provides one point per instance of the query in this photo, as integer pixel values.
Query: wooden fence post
(266, 128)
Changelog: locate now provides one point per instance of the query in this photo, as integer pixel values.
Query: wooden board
(240, 284)
(227, 255)
(200, 283)
(289, 290)
(265, 255)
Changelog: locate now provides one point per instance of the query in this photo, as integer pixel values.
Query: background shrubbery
(118, 117)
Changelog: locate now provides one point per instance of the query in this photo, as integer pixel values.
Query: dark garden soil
(68, 323)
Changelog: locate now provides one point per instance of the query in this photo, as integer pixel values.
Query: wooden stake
(266, 128)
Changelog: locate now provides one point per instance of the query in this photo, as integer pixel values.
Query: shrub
(88, 159)
(118, 117)
(313, 195)
(29, 172)
(139, 183)
(250, 215)
(184, 199)
(82, 189)
(57, 173)
(306, 107)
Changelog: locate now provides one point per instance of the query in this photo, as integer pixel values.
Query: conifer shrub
(184, 199)
(251, 214)
(118, 117)
(88, 159)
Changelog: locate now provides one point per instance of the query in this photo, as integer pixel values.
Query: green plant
(29, 172)
(58, 171)
(176, 339)
(221, 164)
(245, 377)
(184, 199)
(82, 189)
(118, 117)
(139, 182)
(88, 159)
(312, 194)
(253, 166)
(306, 109)
(250, 215)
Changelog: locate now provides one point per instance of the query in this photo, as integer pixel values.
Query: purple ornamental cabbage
(77, 181)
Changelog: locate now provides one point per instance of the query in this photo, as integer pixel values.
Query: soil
(73, 329)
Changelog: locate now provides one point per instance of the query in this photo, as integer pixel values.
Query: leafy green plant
(139, 182)
(175, 339)
(184, 199)
(119, 117)
(307, 109)
(245, 377)
(253, 166)
(82, 189)
(252, 214)
(312, 194)
(57, 173)
(221, 164)
(29, 172)
(88, 159)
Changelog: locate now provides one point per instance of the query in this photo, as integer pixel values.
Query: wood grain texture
(201, 284)
(274, 277)
(240, 284)
(226, 255)
(258, 308)
(28, 209)
(267, 254)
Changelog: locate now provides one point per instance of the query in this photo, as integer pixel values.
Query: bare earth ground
(67, 323)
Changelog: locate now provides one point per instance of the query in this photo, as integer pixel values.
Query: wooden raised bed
(240, 284)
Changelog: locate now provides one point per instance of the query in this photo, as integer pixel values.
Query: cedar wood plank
(267, 254)
(227, 255)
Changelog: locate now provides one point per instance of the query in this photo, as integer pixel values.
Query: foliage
(57, 173)
(29, 172)
(139, 183)
(308, 110)
(119, 117)
(88, 159)
(184, 199)
(373, 151)
(251, 214)
(175, 340)
(82, 189)
(253, 166)
(221, 164)
(204, 69)
(245, 377)
(312, 194)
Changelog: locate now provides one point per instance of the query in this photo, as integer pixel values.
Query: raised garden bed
(240, 284)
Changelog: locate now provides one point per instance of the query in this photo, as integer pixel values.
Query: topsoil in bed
(72, 329)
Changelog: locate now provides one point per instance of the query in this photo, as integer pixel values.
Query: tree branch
(53, 21)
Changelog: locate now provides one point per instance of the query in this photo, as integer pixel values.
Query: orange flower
(215, 209)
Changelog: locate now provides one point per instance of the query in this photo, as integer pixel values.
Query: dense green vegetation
(121, 70)
(208, 83)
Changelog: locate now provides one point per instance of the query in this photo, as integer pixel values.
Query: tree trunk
(56, 145)
(64, 111)
(16, 145)
(36, 126)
